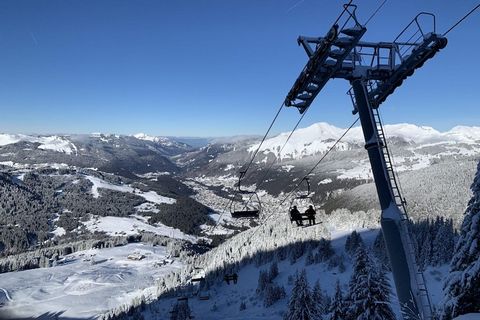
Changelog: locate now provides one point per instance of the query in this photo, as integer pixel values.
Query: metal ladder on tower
(401, 204)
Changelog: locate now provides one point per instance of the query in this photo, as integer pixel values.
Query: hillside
(98, 191)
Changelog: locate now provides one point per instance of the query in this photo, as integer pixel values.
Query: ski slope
(224, 302)
(87, 284)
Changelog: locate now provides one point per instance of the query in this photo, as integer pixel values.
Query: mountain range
(105, 190)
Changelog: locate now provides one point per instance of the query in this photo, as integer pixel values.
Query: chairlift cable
(318, 162)
(375, 12)
(264, 137)
(251, 161)
(463, 18)
(263, 179)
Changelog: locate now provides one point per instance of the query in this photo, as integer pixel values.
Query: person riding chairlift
(296, 216)
(310, 213)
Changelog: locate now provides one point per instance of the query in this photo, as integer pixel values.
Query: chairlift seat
(245, 214)
(231, 277)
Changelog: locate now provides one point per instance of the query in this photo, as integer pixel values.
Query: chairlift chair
(247, 204)
(231, 277)
(204, 296)
(199, 277)
(302, 201)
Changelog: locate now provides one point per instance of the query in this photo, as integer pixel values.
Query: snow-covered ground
(319, 137)
(470, 316)
(224, 301)
(150, 196)
(83, 289)
(115, 226)
(54, 143)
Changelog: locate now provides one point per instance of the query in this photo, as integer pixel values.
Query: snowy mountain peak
(468, 133)
(54, 143)
(413, 133)
(162, 140)
(319, 137)
(143, 136)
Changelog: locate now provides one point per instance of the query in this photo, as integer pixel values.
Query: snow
(6, 139)
(57, 144)
(470, 316)
(83, 289)
(153, 175)
(162, 140)
(115, 226)
(147, 207)
(54, 143)
(465, 133)
(227, 298)
(154, 197)
(361, 172)
(316, 138)
(59, 231)
(143, 136)
(319, 137)
(150, 196)
(326, 181)
(287, 168)
(24, 166)
(229, 167)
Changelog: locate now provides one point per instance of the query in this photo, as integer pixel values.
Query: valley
(71, 200)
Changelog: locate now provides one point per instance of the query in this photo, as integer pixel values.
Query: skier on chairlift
(295, 216)
(310, 213)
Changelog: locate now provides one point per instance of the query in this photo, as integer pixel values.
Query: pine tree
(263, 281)
(443, 244)
(369, 291)
(462, 286)
(353, 241)
(320, 298)
(425, 252)
(380, 251)
(273, 273)
(180, 311)
(337, 306)
(301, 305)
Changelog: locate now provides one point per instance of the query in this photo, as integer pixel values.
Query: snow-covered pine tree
(353, 241)
(380, 252)
(369, 291)
(272, 294)
(273, 273)
(443, 243)
(337, 306)
(180, 311)
(301, 305)
(263, 281)
(243, 306)
(320, 298)
(462, 286)
(425, 251)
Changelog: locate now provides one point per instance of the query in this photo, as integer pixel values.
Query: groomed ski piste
(86, 283)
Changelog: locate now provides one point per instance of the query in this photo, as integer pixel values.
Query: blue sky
(208, 68)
